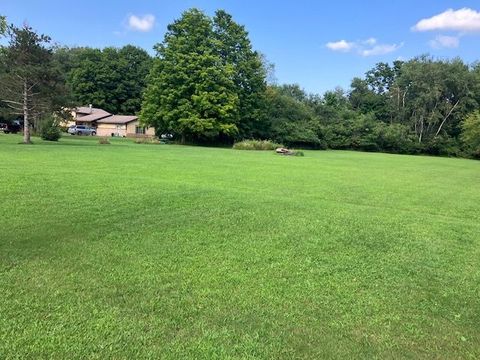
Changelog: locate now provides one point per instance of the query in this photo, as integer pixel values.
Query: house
(124, 126)
(108, 124)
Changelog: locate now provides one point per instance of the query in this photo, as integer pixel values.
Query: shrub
(256, 145)
(147, 140)
(395, 138)
(103, 140)
(50, 130)
(442, 146)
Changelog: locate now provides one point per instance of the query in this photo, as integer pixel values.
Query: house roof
(93, 117)
(87, 110)
(88, 114)
(117, 119)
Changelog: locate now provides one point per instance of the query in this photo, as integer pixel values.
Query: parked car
(82, 130)
(13, 127)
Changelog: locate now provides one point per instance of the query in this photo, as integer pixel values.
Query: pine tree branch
(12, 102)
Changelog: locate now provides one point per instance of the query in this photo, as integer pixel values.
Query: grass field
(162, 251)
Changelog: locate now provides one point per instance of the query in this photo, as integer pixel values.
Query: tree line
(206, 84)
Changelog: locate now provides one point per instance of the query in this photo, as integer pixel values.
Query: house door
(120, 130)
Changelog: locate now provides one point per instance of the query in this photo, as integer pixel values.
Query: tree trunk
(421, 130)
(446, 117)
(26, 125)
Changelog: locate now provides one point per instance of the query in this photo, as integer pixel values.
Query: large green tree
(437, 96)
(377, 93)
(429, 96)
(363, 98)
(291, 120)
(249, 75)
(112, 79)
(191, 91)
(28, 76)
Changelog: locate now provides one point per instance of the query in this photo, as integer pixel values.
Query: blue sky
(319, 45)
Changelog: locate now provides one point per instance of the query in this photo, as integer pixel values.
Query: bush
(395, 138)
(442, 146)
(147, 140)
(367, 134)
(50, 130)
(256, 145)
(103, 140)
(476, 153)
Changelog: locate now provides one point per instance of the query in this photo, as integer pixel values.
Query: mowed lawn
(162, 251)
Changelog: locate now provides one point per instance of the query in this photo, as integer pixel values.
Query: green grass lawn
(163, 251)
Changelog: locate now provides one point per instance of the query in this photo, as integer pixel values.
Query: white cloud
(141, 23)
(368, 47)
(380, 49)
(465, 19)
(443, 41)
(341, 45)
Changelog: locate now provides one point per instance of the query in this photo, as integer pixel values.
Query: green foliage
(291, 121)
(366, 101)
(206, 81)
(437, 96)
(416, 106)
(207, 85)
(235, 50)
(422, 103)
(31, 83)
(471, 133)
(3, 25)
(395, 138)
(50, 130)
(442, 145)
(112, 79)
(256, 145)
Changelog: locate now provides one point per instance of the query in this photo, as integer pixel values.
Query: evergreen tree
(30, 80)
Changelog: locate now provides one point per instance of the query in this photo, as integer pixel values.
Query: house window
(139, 130)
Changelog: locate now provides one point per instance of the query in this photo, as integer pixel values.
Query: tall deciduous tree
(438, 94)
(112, 79)
(191, 90)
(28, 75)
(249, 74)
